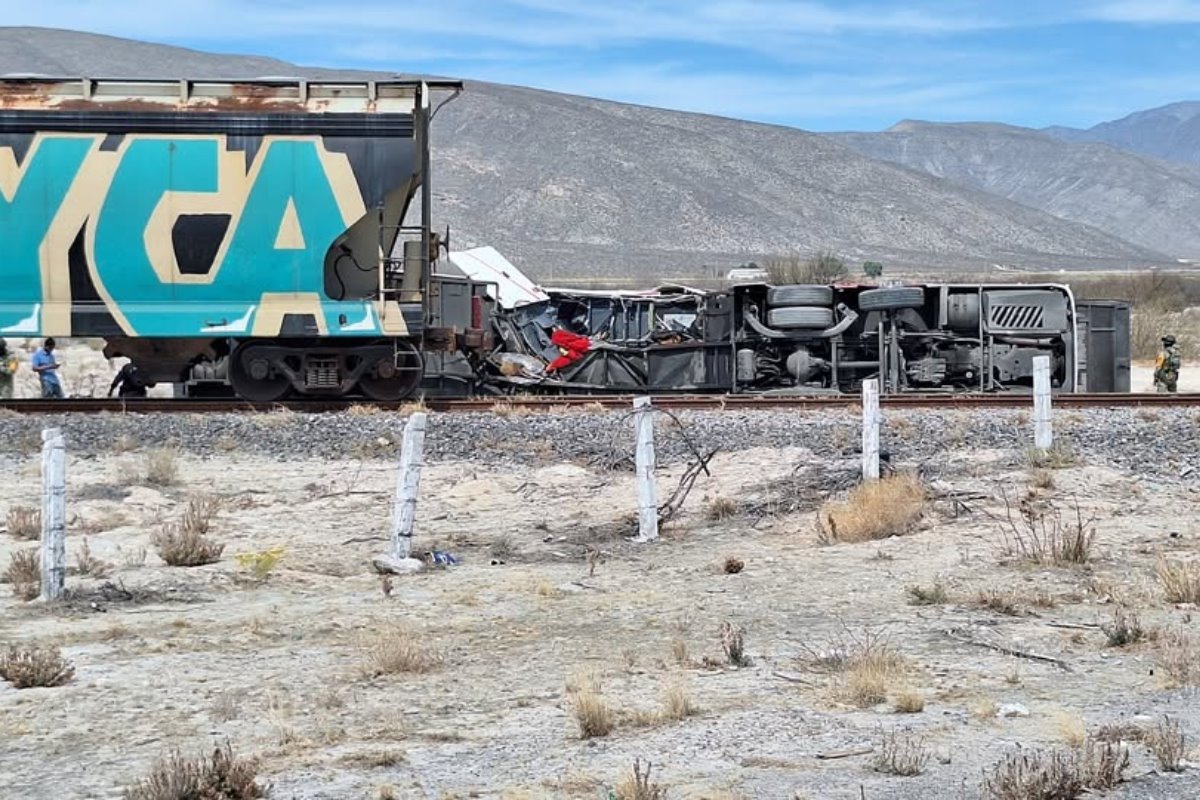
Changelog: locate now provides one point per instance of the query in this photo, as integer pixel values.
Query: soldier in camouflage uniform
(8, 370)
(1166, 366)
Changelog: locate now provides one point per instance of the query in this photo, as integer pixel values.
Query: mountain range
(570, 186)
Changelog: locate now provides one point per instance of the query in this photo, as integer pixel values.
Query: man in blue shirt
(46, 367)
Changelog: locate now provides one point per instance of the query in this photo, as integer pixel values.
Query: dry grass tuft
(933, 595)
(733, 565)
(677, 702)
(220, 776)
(180, 546)
(88, 564)
(1115, 732)
(1179, 656)
(1040, 478)
(637, 785)
(679, 652)
(1167, 743)
(1059, 456)
(162, 467)
(720, 508)
(592, 714)
(199, 513)
(872, 675)
(901, 754)
(875, 510)
(25, 522)
(508, 409)
(30, 666)
(1056, 774)
(734, 644)
(396, 651)
(1180, 580)
(24, 573)
(908, 701)
(1041, 534)
(998, 602)
(1125, 628)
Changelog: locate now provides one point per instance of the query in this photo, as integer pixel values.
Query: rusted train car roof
(265, 95)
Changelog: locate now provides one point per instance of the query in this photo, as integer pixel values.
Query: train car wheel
(252, 377)
(394, 379)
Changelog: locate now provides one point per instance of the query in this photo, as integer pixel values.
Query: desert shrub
(180, 546)
(1124, 629)
(637, 785)
(1167, 743)
(734, 644)
(933, 595)
(875, 510)
(677, 702)
(720, 508)
(1041, 478)
(260, 564)
(901, 754)
(162, 467)
(592, 713)
(1059, 455)
(1044, 535)
(1178, 655)
(908, 701)
(999, 602)
(732, 565)
(25, 522)
(24, 573)
(1180, 580)
(1056, 774)
(89, 564)
(398, 650)
(29, 666)
(821, 267)
(871, 676)
(219, 776)
(199, 513)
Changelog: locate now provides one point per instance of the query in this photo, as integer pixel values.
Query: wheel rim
(390, 380)
(249, 374)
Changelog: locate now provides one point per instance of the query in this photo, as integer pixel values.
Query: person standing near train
(1166, 366)
(46, 367)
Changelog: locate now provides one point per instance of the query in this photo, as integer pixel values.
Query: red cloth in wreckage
(575, 346)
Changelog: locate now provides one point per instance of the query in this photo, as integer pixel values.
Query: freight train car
(280, 228)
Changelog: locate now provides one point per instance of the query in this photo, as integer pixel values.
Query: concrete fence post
(870, 429)
(54, 514)
(1043, 431)
(408, 486)
(645, 462)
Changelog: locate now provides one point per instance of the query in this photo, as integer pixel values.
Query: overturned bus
(805, 339)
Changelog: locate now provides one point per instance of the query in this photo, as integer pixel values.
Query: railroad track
(548, 403)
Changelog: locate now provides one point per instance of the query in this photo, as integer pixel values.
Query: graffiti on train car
(181, 236)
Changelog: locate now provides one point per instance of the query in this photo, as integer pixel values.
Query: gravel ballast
(1154, 444)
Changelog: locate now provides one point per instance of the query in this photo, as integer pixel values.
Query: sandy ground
(274, 665)
(1141, 377)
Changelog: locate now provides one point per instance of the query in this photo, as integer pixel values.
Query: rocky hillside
(568, 185)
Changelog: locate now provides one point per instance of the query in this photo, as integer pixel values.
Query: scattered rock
(1012, 710)
(386, 565)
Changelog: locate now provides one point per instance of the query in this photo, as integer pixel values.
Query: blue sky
(823, 66)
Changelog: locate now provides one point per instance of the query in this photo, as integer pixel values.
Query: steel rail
(553, 403)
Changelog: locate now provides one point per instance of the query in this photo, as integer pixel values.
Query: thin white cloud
(1149, 11)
